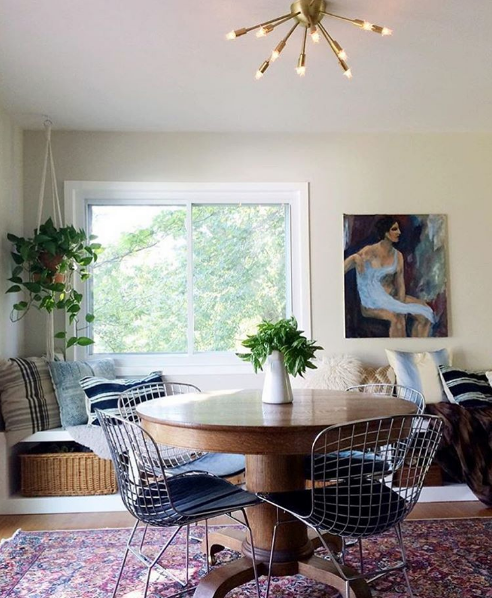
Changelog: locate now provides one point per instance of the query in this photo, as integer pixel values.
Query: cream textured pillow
(336, 372)
(420, 371)
(382, 375)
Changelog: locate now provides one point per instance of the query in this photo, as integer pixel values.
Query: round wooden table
(275, 439)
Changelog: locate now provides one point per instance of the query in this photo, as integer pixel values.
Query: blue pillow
(104, 394)
(66, 376)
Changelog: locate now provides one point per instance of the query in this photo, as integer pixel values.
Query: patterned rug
(448, 559)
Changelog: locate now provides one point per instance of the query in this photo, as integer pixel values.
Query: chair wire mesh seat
(177, 460)
(384, 390)
(393, 390)
(155, 499)
(355, 498)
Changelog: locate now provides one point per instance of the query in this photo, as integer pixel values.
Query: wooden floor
(10, 523)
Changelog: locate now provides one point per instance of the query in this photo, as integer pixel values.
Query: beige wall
(383, 173)
(11, 220)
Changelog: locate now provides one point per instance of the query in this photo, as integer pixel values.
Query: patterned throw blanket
(466, 450)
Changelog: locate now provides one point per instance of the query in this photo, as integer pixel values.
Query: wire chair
(156, 500)
(175, 459)
(354, 499)
(393, 390)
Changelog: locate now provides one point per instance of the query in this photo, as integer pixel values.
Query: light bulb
(340, 52)
(301, 65)
(231, 35)
(265, 30)
(276, 52)
(346, 69)
(381, 30)
(261, 71)
(367, 26)
(314, 34)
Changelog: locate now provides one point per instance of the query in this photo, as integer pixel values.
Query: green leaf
(61, 335)
(71, 342)
(90, 318)
(22, 306)
(18, 259)
(12, 238)
(84, 341)
(32, 287)
(16, 279)
(14, 289)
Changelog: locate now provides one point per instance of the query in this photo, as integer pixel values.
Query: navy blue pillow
(104, 394)
(465, 387)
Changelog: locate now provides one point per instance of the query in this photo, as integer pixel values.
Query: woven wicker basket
(66, 474)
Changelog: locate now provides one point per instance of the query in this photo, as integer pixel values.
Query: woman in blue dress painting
(381, 285)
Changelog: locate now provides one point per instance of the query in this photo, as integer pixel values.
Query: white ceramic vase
(276, 388)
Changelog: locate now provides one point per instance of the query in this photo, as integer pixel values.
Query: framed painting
(395, 276)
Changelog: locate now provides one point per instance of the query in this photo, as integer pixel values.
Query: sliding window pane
(139, 282)
(239, 271)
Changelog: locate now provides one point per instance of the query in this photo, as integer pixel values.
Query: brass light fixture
(307, 14)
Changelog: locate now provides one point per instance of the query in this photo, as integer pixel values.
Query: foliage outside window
(158, 288)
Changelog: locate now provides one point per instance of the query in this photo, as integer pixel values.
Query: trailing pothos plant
(282, 336)
(44, 268)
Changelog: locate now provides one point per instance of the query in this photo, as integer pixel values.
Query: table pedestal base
(222, 580)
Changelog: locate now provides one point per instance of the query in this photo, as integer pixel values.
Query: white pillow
(420, 371)
(336, 372)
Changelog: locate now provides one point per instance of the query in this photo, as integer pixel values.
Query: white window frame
(80, 194)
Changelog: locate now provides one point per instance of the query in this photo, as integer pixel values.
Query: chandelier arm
(294, 27)
(361, 24)
(284, 20)
(329, 39)
(289, 15)
(336, 50)
(301, 63)
(330, 14)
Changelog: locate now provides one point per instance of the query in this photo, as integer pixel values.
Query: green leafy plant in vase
(44, 269)
(285, 350)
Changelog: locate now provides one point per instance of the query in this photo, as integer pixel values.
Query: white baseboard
(448, 493)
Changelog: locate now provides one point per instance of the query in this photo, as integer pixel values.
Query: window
(188, 270)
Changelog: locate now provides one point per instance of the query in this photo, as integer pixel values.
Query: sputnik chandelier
(307, 14)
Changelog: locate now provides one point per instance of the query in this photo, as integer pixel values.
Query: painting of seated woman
(395, 276)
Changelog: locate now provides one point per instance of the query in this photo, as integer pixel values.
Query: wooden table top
(238, 421)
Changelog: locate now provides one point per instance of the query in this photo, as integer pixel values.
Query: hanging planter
(285, 351)
(46, 264)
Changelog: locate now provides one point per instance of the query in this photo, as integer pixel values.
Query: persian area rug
(448, 559)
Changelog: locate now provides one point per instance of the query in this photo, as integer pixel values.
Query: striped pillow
(27, 395)
(462, 386)
(104, 394)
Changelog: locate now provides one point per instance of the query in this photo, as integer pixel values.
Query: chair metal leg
(399, 535)
(270, 562)
(207, 547)
(253, 555)
(125, 556)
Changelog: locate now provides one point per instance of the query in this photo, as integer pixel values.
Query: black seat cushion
(344, 464)
(192, 497)
(356, 507)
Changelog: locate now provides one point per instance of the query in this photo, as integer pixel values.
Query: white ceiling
(164, 65)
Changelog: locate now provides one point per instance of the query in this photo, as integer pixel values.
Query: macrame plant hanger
(57, 221)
